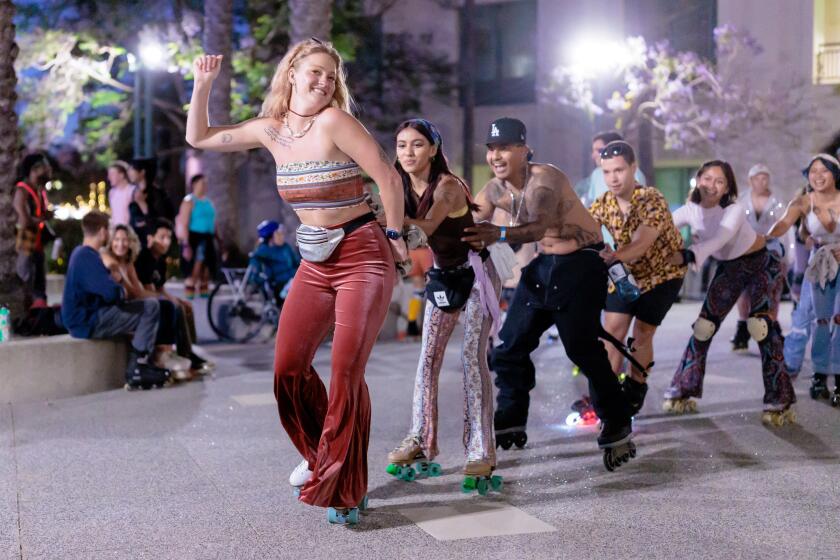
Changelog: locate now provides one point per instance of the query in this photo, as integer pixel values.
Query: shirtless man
(565, 285)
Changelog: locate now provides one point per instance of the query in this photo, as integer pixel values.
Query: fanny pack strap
(356, 223)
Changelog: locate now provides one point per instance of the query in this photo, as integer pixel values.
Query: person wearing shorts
(639, 220)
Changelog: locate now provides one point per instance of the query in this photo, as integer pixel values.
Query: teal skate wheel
(363, 505)
(434, 469)
(409, 474)
(468, 485)
(483, 487)
(496, 483)
(333, 516)
(422, 468)
(352, 516)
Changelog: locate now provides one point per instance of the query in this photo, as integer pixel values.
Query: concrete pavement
(200, 471)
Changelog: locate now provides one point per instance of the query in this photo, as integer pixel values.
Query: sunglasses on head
(615, 150)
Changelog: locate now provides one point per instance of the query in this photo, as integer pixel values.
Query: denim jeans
(825, 349)
(802, 322)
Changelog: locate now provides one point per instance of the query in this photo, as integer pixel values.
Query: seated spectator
(276, 258)
(151, 271)
(119, 256)
(94, 306)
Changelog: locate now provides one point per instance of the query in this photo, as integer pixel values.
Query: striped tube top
(307, 185)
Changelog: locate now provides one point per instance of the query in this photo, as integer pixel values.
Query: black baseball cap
(506, 131)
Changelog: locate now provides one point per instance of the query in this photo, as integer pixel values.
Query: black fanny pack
(449, 288)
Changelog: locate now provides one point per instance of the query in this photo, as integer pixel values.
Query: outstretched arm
(793, 213)
(541, 203)
(231, 138)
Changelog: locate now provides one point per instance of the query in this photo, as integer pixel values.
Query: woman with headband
(439, 203)
(347, 274)
(719, 228)
(820, 210)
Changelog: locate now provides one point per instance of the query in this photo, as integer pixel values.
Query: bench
(54, 367)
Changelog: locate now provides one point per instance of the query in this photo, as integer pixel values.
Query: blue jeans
(797, 339)
(825, 349)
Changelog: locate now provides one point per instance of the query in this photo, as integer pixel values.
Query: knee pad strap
(704, 329)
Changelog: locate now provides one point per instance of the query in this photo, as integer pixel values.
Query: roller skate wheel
(520, 439)
(353, 516)
(504, 441)
(434, 469)
(393, 470)
(483, 487)
(835, 399)
(468, 485)
(496, 483)
(363, 505)
(296, 491)
(408, 474)
(608, 460)
(422, 468)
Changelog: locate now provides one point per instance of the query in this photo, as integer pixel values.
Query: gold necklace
(303, 132)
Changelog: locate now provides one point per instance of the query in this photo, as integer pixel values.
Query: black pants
(568, 291)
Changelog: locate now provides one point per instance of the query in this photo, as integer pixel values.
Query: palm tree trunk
(222, 186)
(310, 18)
(11, 289)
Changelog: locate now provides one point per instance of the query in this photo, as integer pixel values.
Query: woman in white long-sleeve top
(719, 228)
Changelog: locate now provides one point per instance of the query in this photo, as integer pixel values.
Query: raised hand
(206, 68)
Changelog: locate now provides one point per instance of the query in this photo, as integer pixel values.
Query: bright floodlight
(153, 55)
(592, 55)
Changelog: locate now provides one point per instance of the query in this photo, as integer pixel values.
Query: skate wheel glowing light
(572, 419)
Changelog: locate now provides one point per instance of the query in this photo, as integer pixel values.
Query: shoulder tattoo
(275, 136)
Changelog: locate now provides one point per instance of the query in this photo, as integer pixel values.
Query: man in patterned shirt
(639, 220)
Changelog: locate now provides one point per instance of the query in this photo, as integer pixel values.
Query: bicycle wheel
(235, 317)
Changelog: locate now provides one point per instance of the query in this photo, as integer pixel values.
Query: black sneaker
(741, 340)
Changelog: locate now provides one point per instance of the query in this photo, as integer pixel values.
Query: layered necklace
(303, 131)
(514, 209)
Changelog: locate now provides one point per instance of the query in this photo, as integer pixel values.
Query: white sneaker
(301, 474)
(180, 367)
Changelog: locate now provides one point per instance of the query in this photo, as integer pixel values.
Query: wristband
(392, 234)
(503, 234)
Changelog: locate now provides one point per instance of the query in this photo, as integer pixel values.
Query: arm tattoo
(383, 156)
(275, 135)
(227, 138)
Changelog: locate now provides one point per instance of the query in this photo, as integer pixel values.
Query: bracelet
(503, 234)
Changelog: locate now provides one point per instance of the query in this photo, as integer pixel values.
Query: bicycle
(244, 305)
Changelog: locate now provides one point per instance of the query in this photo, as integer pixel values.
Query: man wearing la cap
(763, 210)
(564, 285)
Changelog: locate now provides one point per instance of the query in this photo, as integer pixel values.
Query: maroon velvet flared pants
(353, 286)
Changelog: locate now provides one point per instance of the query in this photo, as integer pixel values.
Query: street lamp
(153, 56)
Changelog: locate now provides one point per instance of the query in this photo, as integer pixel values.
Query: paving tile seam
(17, 480)
(231, 503)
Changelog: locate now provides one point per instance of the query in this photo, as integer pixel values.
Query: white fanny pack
(316, 243)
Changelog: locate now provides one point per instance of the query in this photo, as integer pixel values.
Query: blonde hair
(133, 243)
(279, 96)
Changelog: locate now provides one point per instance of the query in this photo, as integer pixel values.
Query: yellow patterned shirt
(647, 208)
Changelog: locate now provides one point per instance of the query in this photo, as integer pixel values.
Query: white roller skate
(776, 418)
(679, 406)
(300, 476)
(408, 452)
(179, 366)
(478, 476)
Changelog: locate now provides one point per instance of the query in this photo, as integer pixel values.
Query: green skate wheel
(468, 485)
(408, 474)
(393, 469)
(434, 469)
(483, 487)
(496, 483)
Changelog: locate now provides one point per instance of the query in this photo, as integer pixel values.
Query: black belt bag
(449, 288)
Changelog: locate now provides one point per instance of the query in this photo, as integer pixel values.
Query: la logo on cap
(494, 130)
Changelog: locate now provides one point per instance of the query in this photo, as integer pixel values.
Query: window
(504, 37)
(826, 42)
(687, 25)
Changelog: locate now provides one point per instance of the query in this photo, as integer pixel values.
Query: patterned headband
(433, 131)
